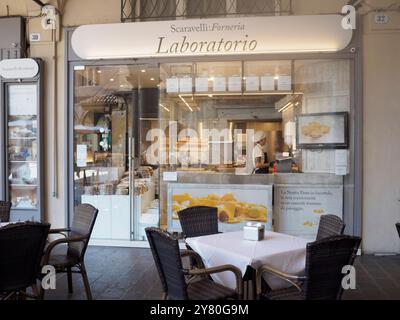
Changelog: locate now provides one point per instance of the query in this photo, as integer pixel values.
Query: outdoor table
(280, 251)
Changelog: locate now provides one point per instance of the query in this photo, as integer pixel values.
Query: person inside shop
(260, 158)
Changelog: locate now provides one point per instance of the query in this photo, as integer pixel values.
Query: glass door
(22, 143)
(109, 172)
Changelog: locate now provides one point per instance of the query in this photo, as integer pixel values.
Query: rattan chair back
(21, 251)
(198, 221)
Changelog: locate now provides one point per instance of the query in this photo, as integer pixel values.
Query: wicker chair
(5, 207)
(198, 221)
(323, 273)
(398, 228)
(167, 257)
(21, 250)
(77, 239)
(330, 225)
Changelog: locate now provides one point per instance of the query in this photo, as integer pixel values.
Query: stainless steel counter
(278, 178)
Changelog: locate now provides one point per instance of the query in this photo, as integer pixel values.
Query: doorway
(113, 105)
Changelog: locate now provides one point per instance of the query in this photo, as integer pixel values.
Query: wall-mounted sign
(18, 68)
(205, 37)
(298, 208)
(237, 204)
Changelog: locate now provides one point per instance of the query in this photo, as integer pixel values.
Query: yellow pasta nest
(229, 209)
(315, 130)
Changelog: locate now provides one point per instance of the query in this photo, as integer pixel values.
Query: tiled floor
(129, 273)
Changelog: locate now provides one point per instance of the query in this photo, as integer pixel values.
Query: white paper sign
(219, 84)
(185, 84)
(81, 155)
(267, 83)
(285, 83)
(22, 100)
(252, 83)
(172, 85)
(235, 83)
(170, 176)
(341, 162)
(341, 170)
(201, 84)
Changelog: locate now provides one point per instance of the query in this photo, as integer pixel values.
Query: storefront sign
(18, 68)
(298, 208)
(208, 37)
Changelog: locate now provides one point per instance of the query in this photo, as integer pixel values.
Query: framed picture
(236, 204)
(322, 131)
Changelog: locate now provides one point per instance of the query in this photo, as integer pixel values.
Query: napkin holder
(253, 232)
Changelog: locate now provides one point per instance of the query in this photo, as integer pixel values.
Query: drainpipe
(55, 126)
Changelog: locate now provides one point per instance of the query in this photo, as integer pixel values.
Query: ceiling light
(99, 71)
(152, 79)
(112, 79)
(286, 106)
(165, 108)
(143, 70)
(187, 104)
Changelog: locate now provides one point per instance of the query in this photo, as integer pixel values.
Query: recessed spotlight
(276, 77)
(112, 79)
(99, 71)
(152, 79)
(143, 70)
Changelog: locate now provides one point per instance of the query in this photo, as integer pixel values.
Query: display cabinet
(21, 144)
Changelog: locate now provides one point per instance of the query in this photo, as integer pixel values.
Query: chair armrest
(57, 242)
(195, 256)
(60, 231)
(227, 267)
(279, 274)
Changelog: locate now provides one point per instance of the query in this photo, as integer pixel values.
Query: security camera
(49, 20)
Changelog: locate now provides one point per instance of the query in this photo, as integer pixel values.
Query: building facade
(362, 82)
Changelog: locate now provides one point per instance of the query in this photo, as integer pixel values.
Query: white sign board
(208, 37)
(18, 68)
(81, 155)
(22, 100)
(201, 84)
(298, 208)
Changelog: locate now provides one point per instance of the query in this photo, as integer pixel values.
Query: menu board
(236, 204)
(298, 208)
(252, 83)
(219, 84)
(235, 83)
(267, 83)
(285, 83)
(185, 84)
(172, 85)
(201, 84)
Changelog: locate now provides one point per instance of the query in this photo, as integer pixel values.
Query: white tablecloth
(280, 251)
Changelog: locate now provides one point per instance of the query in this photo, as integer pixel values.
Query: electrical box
(12, 38)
